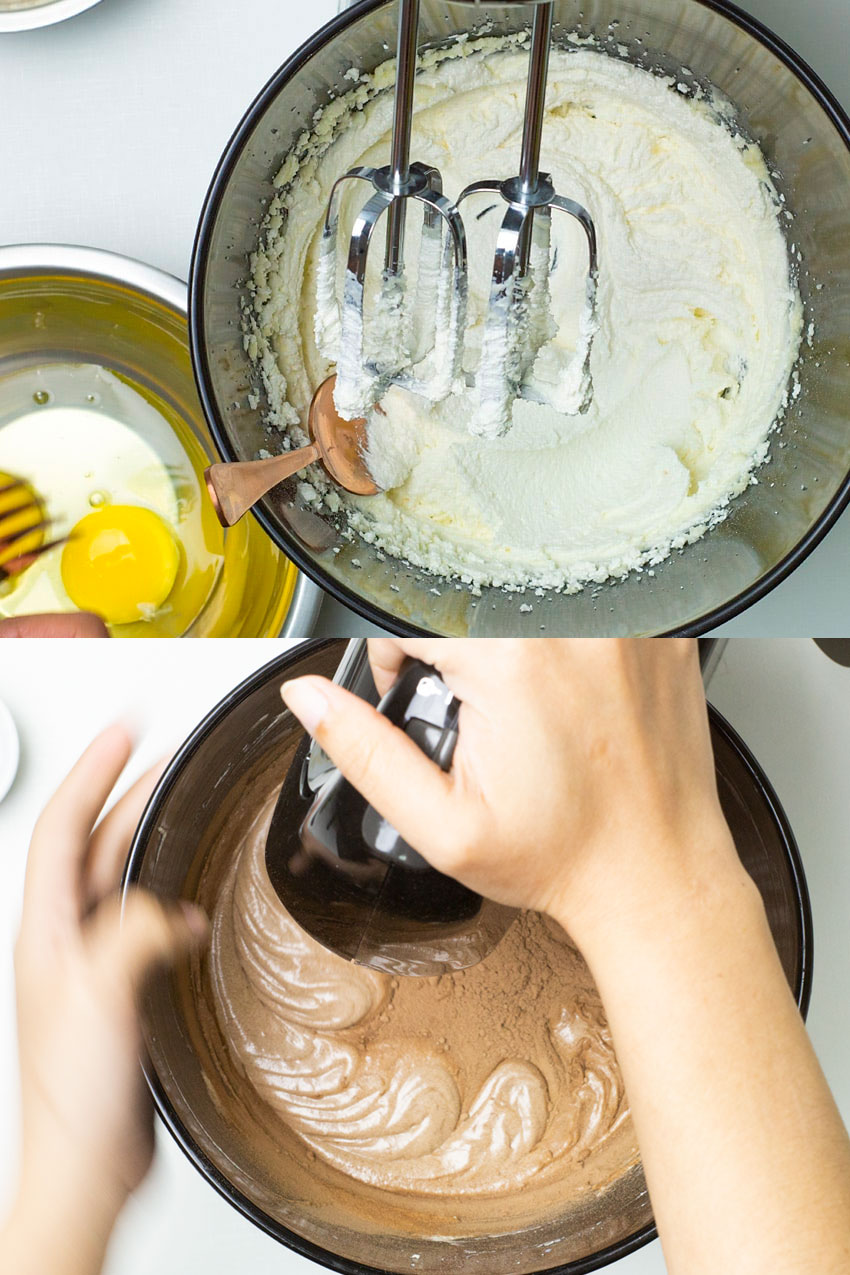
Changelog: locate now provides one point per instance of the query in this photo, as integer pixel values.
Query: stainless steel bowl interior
(240, 744)
(802, 489)
(71, 304)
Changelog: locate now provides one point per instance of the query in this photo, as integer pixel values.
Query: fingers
(110, 841)
(391, 772)
(386, 656)
(53, 887)
(144, 935)
(80, 624)
(454, 659)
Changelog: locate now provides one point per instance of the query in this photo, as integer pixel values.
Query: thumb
(391, 772)
(146, 934)
(81, 624)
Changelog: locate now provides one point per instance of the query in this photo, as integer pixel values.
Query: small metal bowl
(81, 305)
(25, 15)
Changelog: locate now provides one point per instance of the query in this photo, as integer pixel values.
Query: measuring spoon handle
(236, 486)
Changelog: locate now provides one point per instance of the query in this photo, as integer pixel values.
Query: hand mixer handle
(421, 705)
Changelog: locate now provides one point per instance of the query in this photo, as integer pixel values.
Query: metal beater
(401, 335)
(519, 320)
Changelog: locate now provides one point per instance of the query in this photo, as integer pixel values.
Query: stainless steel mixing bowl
(805, 485)
(62, 303)
(237, 753)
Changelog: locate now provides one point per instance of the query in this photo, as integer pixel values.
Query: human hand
(75, 624)
(583, 780)
(583, 785)
(87, 1121)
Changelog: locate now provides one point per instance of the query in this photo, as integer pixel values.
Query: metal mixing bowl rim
(113, 267)
(198, 271)
(98, 264)
(168, 1114)
(43, 15)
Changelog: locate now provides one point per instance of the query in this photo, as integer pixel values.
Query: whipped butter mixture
(476, 1084)
(698, 323)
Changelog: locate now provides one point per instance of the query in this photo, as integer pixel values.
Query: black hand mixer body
(347, 876)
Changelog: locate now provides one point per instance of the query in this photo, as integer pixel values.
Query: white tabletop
(113, 123)
(786, 699)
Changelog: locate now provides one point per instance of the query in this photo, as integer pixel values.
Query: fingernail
(196, 919)
(306, 701)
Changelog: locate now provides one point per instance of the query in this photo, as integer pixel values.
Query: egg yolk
(120, 562)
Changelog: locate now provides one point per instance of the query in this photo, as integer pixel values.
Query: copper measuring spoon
(236, 486)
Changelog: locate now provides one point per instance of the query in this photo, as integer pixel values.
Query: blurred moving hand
(87, 1120)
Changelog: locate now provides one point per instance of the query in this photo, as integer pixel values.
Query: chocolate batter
(494, 1086)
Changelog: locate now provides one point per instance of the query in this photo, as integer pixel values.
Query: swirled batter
(496, 1080)
(699, 322)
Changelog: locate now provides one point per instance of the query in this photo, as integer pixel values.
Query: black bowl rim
(172, 1121)
(282, 537)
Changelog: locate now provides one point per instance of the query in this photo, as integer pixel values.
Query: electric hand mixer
(518, 321)
(345, 874)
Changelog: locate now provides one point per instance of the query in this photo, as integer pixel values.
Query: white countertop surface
(785, 698)
(113, 123)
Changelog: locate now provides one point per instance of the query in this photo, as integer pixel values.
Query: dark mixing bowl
(804, 486)
(242, 742)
